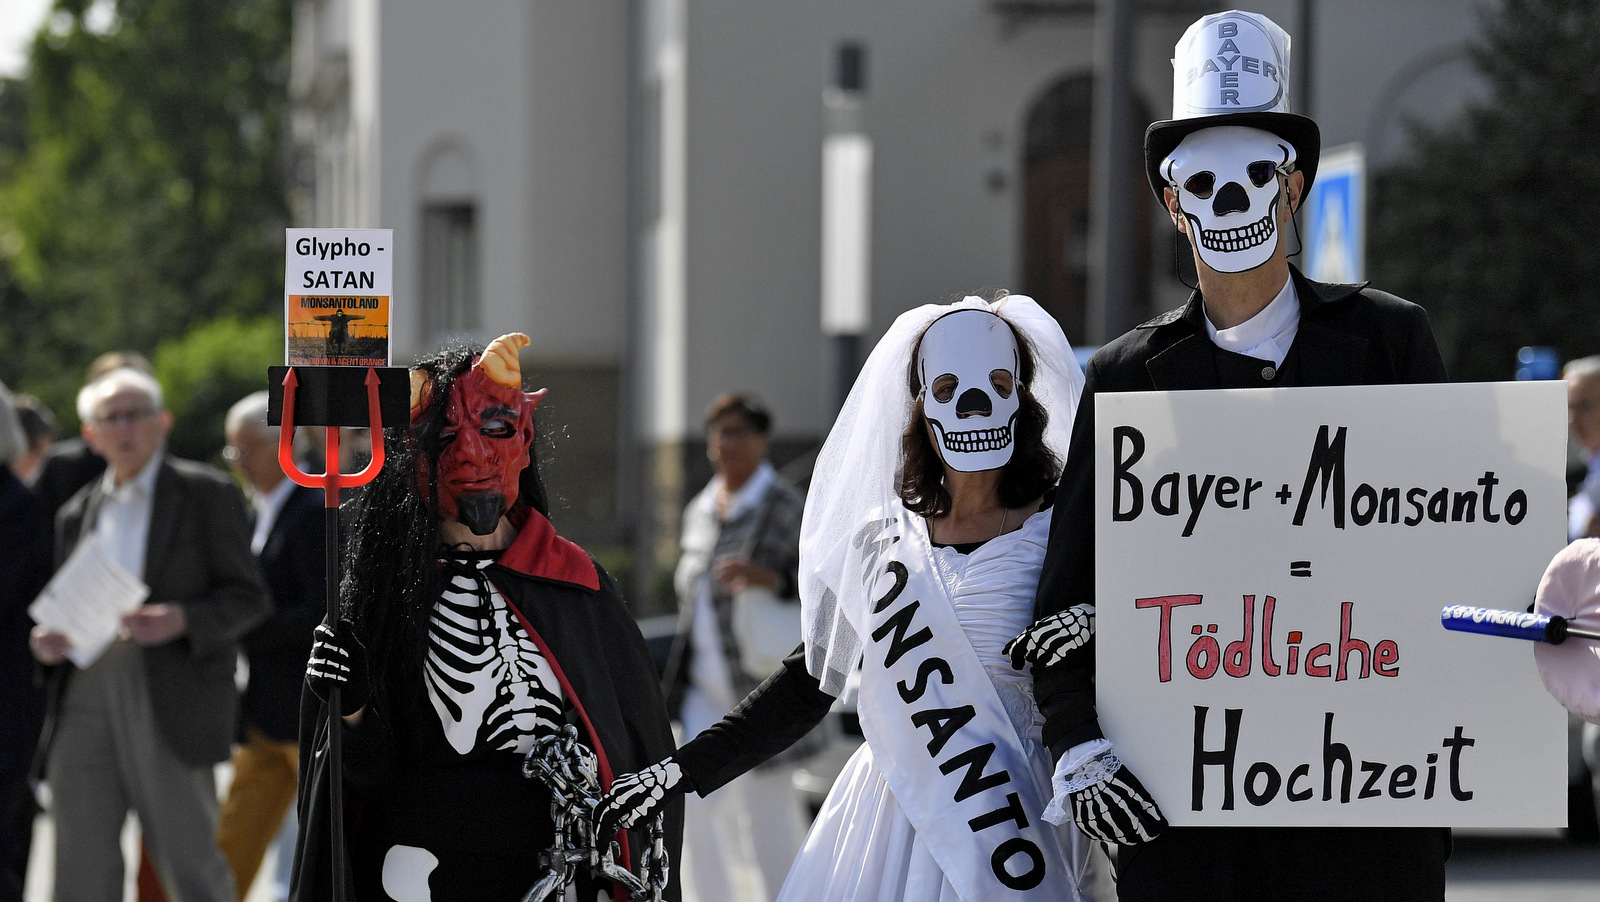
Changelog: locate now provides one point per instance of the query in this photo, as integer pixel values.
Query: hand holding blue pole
(1513, 624)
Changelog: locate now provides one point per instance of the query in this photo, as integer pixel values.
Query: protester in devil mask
(1231, 167)
(471, 633)
(920, 546)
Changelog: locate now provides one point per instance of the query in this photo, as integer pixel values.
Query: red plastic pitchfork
(331, 481)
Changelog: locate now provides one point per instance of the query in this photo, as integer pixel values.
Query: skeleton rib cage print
(487, 680)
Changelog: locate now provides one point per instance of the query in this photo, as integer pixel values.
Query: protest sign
(336, 293)
(1270, 569)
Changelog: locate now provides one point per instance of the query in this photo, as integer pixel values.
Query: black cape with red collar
(577, 615)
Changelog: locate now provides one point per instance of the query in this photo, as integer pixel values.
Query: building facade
(637, 184)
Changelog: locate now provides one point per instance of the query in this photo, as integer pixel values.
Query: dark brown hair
(749, 407)
(1032, 470)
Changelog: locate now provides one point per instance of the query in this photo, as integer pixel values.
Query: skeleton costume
(468, 658)
(1226, 154)
(942, 801)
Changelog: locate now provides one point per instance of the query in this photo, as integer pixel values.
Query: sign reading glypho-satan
(1270, 569)
(336, 294)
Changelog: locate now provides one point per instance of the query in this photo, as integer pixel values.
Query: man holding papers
(140, 725)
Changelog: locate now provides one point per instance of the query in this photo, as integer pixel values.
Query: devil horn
(421, 384)
(499, 361)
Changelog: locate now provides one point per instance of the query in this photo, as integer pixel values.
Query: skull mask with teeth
(968, 365)
(1227, 185)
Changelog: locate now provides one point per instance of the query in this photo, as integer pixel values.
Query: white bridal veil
(857, 470)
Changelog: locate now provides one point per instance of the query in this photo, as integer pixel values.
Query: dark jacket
(606, 674)
(67, 466)
(292, 562)
(198, 556)
(24, 568)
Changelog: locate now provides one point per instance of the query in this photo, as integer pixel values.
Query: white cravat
(1268, 334)
(123, 524)
(268, 506)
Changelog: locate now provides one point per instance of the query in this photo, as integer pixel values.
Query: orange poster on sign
(338, 330)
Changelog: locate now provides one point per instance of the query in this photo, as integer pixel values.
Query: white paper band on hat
(1232, 62)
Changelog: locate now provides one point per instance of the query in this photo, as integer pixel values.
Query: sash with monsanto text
(937, 726)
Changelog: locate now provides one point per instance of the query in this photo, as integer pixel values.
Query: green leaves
(1487, 223)
(141, 193)
(207, 369)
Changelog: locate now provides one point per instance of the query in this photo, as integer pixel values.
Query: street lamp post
(846, 217)
(1113, 226)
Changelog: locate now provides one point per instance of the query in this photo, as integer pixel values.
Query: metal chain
(570, 770)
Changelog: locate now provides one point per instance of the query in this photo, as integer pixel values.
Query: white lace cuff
(1083, 765)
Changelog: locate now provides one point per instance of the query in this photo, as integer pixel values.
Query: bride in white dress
(924, 532)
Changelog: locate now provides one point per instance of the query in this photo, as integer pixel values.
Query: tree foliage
(141, 183)
(1484, 222)
(207, 369)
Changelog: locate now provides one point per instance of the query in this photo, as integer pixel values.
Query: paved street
(1501, 869)
(1483, 869)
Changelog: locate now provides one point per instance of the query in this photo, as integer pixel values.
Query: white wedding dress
(862, 847)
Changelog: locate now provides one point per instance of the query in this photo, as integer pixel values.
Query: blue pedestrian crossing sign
(1336, 217)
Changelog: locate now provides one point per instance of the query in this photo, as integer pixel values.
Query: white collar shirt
(122, 525)
(749, 494)
(1268, 334)
(268, 505)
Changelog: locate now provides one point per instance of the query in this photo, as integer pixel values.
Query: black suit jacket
(292, 562)
(1348, 335)
(67, 466)
(198, 556)
(24, 568)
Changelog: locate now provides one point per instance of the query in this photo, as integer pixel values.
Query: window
(450, 269)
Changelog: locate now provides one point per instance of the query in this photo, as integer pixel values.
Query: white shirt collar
(268, 506)
(273, 499)
(746, 497)
(1268, 334)
(143, 482)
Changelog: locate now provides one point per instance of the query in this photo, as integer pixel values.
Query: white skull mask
(968, 365)
(1226, 178)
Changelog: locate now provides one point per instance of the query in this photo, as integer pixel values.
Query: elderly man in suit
(141, 727)
(288, 542)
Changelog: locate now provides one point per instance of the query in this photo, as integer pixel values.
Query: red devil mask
(488, 428)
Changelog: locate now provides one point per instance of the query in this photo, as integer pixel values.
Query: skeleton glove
(338, 662)
(1051, 639)
(1111, 805)
(638, 796)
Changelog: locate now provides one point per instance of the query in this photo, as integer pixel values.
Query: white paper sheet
(86, 600)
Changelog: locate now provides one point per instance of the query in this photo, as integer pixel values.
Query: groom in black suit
(1231, 167)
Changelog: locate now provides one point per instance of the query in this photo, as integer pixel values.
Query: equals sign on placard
(1299, 568)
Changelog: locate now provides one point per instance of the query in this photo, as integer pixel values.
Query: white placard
(1274, 561)
(86, 600)
(337, 288)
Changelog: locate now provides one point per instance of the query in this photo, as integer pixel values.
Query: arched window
(449, 249)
